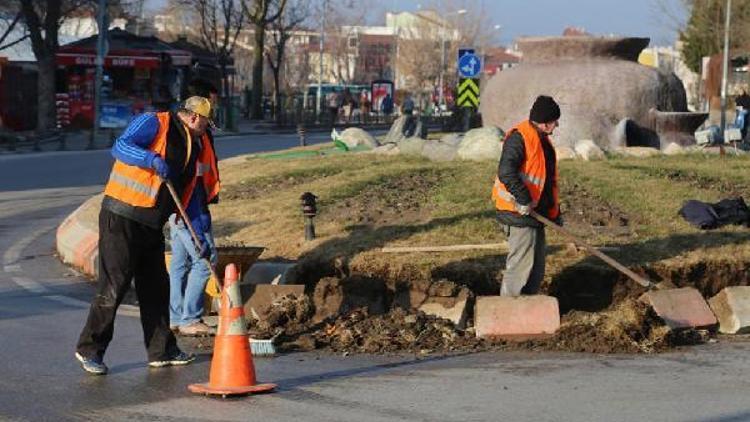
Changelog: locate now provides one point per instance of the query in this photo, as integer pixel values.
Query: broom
(257, 347)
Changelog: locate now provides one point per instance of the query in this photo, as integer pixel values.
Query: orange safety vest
(139, 187)
(533, 172)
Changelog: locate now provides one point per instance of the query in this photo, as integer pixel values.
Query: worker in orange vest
(154, 147)
(527, 178)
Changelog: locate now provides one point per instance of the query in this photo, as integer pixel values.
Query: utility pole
(320, 62)
(101, 47)
(725, 72)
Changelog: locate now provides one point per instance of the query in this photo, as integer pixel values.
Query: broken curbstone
(447, 308)
(680, 308)
(732, 308)
(516, 317)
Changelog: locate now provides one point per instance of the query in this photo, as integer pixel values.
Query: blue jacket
(132, 148)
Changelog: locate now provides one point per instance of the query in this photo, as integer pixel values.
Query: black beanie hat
(544, 110)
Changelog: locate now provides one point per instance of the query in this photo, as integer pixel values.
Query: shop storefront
(140, 74)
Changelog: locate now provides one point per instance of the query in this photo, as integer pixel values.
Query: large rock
(596, 81)
(640, 152)
(516, 317)
(354, 137)
(481, 144)
(452, 139)
(439, 151)
(386, 149)
(396, 133)
(674, 149)
(411, 146)
(564, 153)
(588, 150)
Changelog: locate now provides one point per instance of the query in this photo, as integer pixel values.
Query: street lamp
(441, 99)
(725, 71)
(320, 62)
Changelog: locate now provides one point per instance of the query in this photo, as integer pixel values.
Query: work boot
(93, 366)
(196, 328)
(178, 358)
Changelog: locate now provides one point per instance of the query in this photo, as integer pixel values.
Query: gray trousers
(524, 267)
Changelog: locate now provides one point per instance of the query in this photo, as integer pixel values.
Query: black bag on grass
(710, 216)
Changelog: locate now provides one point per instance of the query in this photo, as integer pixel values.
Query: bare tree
(260, 15)
(9, 21)
(219, 23)
(281, 31)
(418, 59)
(42, 20)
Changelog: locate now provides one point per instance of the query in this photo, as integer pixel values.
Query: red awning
(81, 59)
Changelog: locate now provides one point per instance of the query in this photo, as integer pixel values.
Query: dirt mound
(395, 331)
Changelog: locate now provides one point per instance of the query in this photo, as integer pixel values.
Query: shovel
(594, 251)
(185, 218)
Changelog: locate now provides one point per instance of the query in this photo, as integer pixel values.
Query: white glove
(523, 209)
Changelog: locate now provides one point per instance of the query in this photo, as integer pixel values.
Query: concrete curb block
(77, 237)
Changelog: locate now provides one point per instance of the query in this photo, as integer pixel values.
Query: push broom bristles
(262, 347)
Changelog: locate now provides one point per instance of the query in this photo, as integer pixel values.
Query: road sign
(469, 66)
(468, 93)
(464, 51)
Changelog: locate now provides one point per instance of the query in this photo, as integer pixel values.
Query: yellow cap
(199, 105)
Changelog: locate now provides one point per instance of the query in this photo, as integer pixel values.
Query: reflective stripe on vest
(532, 172)
(135, 185)
(205, 167)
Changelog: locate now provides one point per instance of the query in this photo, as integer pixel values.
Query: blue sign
(464, 51)
(115, 115)
(469, 66)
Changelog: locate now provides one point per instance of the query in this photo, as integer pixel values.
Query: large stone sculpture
(597, 82)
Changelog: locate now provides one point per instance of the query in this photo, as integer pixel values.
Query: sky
(656, 19)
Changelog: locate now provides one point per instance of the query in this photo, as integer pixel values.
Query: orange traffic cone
(232, 369)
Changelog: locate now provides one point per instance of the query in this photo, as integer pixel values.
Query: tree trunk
(225, 100)
(46, 91)
(257, 94)
(276, 96)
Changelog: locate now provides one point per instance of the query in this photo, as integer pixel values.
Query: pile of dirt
(628, 327)
(397, 330)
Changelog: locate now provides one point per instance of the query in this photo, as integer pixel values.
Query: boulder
(674, 149)
(596, 80)
(481, 144)
(386, 149)
(452, 139)
(411, 146)
(637, 151)
(588, 150)
(354, 137)
(439, 151)
(396, 133)
(564, 153)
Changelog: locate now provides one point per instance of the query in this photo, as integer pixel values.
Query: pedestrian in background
(155, 147)
(527, 179)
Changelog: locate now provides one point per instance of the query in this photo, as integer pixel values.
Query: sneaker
(196, 329)
(93, 366)
(179, 358)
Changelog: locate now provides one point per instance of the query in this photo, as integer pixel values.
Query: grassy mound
(366, 202)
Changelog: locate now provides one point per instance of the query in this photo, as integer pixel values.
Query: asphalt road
(43, 305)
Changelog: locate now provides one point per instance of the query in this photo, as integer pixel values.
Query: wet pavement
(43, 305)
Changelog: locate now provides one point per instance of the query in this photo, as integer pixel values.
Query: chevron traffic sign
(468, 92)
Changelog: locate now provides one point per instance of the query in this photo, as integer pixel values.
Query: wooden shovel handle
(606, 258)
(185, 218)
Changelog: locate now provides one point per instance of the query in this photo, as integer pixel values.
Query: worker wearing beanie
(527, 180)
